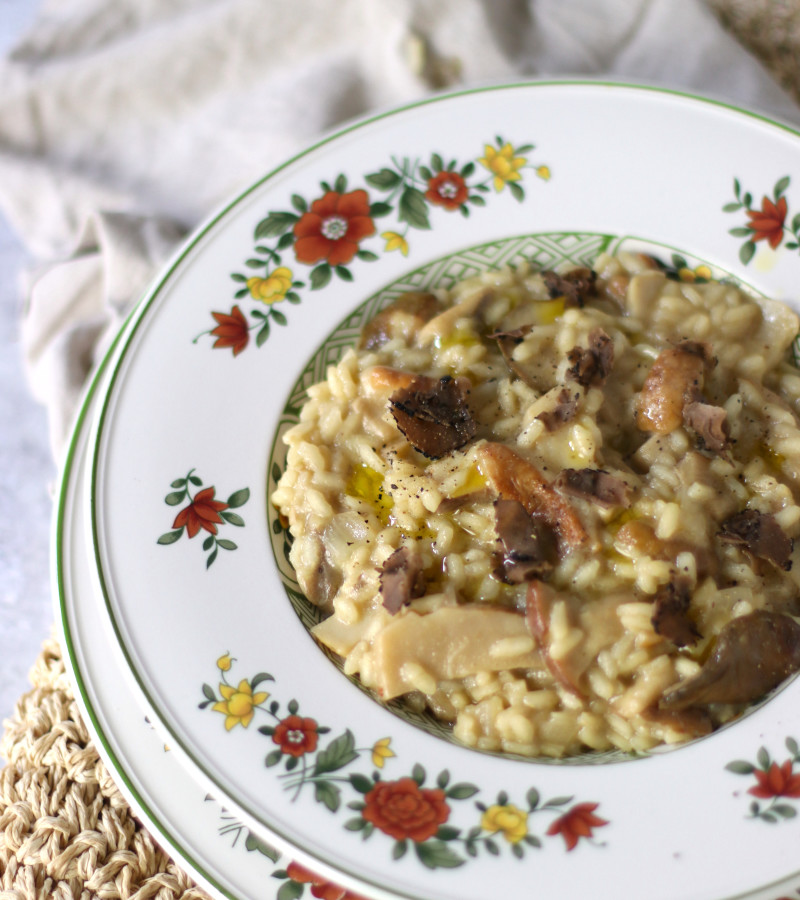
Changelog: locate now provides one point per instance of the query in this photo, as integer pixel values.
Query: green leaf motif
(384, 180)
(239, 498)
(747, 252)
(175, 498)
(435, 854)
(339, 753)
(763, 758)
(253, 843)
(740, 767)
(170, 537)
(225, 544)
(275, 224)
(328, 794)
(263, 334)
(413, 209)
(232, 518)
(462, 791)
(290, 890)
(320, 276)
(781, 186)
(361, 783)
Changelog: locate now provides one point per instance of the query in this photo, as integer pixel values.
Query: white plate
(204, 620)
(209, 842)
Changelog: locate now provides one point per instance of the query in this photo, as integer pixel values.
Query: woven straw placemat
(65, 830)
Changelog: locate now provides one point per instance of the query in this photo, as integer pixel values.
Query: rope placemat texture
(65, 830)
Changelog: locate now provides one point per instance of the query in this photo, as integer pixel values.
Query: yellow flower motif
(381, 752)
(686, 274)
(238, 703)
(395, 241)
(502, 164)
(224, 663)
(272, 288)
(544, 173)
(509, 820)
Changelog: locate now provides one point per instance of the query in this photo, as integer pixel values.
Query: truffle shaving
(527, 544)
(591, 365)
(761, 535)
(575, 286)
(433, 414)
(671, 615)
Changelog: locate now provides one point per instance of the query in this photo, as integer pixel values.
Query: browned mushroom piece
(576, 285)
(752, 655)
(527, 544)
(591, 365)
(402, 579)
(433, 414)
(514, 478)
(760, 535)
(417, 307)
(675, 379)
(538, 601)
(596, 485)
(670, 616)
(564, 411)
(710, 423)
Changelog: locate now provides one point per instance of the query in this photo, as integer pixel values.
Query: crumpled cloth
(124, 124)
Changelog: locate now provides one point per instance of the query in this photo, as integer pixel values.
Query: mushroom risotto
(558, 509)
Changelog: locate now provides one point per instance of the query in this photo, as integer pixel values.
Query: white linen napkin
(123, 124)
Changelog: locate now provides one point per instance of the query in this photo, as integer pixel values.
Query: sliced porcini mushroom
(760, 535)
(534, 372)
(596, 485)
(564, 411)
(576, 285)
(538, 602)
(402, 579)
(675, 379)
(414, 649)
(433, 414)
(527, 543)
(752, 655)
(441, 326)
(670, 617)
(591, 366)
(415, 307)
(710, 424)
(514, 478)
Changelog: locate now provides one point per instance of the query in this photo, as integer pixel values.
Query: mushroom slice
(564, 411)
(408, 312)
(753, 654)
(759, 534)
(433, 414)
(675, 379)
(710, 423)
(527, 544)
(402, 579)
(514, 478)
(596, 485)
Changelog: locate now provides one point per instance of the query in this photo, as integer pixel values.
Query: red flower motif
(231, 330)
(320, 887)
(767, 223)
(578, 822)
(296, 736)
(202, 512)
(447, 189)
(777, 781)
(333, 227)
(402, 809)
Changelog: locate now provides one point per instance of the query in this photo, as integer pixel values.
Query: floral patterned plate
(190, 556)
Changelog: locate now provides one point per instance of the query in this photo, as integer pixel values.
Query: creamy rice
(589, 641)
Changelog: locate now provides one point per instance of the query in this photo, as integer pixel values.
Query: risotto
(559, 510)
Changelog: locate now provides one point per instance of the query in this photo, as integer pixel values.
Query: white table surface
(27, 470)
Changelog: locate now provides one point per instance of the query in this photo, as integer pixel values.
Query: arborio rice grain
(558, 509)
